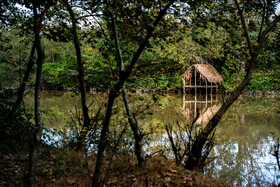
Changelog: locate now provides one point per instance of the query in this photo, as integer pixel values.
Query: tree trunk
(101, 145)
(169, 130)
(35, 142)
(114, 93)
(138, 136)
(86, 124)
(29, 67)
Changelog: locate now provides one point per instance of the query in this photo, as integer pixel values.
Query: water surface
(244, 136)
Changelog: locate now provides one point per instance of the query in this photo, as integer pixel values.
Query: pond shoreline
(160, 91)
(180, 91)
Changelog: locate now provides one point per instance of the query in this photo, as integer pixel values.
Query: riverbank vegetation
(117, 47)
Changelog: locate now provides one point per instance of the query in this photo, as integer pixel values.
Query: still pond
(244, 136)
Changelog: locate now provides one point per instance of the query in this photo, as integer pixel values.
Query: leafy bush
(265, 81)
(61, 74)
(14, 132)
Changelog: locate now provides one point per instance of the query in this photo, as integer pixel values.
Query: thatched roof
(206, 70)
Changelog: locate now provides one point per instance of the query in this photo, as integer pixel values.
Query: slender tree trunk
(30, 65)
(101, 145)
(193, 160)
(86, 124)
(114, 93)
(138, 136)
(169, 130)
(34, 145)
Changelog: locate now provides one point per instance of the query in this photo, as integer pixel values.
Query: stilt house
(201, 76)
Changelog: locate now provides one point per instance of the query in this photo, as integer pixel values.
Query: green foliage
(15, 132)
(232, 81)
(215, 37)
(265, 81)
(60, 65)
(61, 74)
(14, 53)
(100, 66)
(7, 79)
(261, 80)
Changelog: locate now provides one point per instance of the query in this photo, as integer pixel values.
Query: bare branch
(117, 42)
(81, 17)
(263, 17)
(268, 29)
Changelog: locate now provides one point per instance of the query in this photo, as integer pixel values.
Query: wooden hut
(201, 76)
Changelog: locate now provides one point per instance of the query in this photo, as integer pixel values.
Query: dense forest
(114, 49)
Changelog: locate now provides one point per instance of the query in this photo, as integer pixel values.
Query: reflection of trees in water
(59, 107)
(240, 160)
(238, 164)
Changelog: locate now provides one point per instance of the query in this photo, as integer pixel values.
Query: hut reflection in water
(204, 105)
